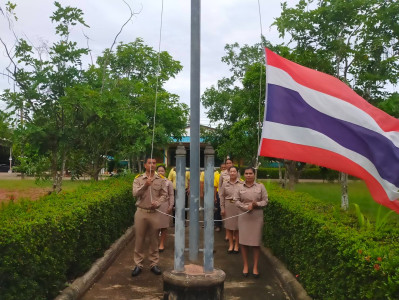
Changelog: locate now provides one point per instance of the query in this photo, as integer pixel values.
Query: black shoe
(161, 250)
(156, 270)
(136, 271)
(230, 251)
(245, 274)
(236, 251)
(256, 275)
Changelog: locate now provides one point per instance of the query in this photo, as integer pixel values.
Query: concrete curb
(288, 281)
(83, 283)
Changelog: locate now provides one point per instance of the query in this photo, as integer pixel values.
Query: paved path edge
(288, 281)
(83, 283)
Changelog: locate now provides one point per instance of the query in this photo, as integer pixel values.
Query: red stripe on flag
(328, 159)
(332, 86)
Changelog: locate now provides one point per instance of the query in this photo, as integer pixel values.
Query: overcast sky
(222, 22)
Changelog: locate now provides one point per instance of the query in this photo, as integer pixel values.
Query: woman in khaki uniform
(166, 207)
(251, 197)
(229, 209)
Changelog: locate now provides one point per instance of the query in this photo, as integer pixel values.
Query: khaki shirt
(171, 194)
(155, 194)
(228, 190)
(224, 177)
(245, 195)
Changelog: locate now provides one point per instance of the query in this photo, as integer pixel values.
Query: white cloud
(222, 21)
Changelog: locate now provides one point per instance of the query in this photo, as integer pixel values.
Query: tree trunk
(96, 174)
(343, 176)
(139, 164)
(280, 175)
(290, 173)
(95, 171)
(344, 191)
(291, 179)
(54, 162)
(60, 174)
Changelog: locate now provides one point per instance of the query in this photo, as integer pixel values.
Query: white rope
(260, 93)
(156, 87)
(221, 220)
(156, 92)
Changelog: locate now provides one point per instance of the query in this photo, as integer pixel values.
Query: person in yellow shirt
(217, 215)
(172, 177)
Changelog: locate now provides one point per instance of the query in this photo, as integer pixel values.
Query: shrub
(45, 243)
(307, 173)
(325, 249)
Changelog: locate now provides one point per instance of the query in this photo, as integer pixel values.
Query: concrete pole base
(193, 284)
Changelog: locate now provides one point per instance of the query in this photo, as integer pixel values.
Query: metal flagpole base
(193, 284)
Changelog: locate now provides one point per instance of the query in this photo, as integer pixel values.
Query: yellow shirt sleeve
(216, 180)
(187, 178)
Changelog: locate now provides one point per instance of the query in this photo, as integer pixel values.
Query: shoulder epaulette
(138, 175)
(163, 177)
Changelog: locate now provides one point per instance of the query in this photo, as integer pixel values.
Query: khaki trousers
(146, 225)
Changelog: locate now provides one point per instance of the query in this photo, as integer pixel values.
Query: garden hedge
(324, 248)
(46, 243)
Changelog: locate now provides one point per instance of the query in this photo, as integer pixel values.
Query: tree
(235, 103)
(5, 128)
(75, 118)
(356, 41)
(391, 105)
(42, 76)
(116, 107)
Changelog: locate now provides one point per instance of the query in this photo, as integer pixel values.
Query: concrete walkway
(116, 282)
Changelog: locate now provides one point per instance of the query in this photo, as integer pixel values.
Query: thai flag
(315, 118)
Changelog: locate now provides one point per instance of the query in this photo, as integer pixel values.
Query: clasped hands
(252, 205)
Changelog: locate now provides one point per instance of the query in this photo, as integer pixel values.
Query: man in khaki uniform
(150, 191)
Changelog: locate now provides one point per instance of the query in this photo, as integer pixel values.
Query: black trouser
(217, 215)
(185, 205)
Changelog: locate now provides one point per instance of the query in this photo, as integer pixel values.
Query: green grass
(19, 184)
(357, 191)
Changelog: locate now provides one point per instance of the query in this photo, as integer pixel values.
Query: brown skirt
(250, 226)
(231, 210)
(164, 220)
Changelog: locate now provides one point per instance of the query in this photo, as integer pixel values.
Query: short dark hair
(233, 167)
(250, 168)
(161, 166)
(229, 160)
(147, 157)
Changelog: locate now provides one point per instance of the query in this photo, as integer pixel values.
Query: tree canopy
(72, 116)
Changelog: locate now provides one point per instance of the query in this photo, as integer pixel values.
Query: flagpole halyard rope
(156, 91)
(260, 91)
(220, 220)
(157, 82)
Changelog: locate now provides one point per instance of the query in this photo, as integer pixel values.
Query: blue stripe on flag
(287, 107)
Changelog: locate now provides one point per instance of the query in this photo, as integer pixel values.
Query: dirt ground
(15, 195)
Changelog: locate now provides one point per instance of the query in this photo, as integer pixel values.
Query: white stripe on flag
(329, 105)
(309, 137)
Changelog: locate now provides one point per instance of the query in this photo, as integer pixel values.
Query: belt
(147, 210)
